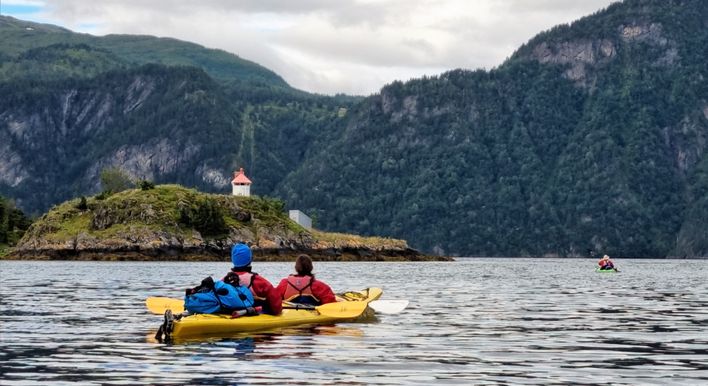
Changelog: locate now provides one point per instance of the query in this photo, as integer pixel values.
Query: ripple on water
(508, 321)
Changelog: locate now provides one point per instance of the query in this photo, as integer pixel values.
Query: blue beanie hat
(241, 255)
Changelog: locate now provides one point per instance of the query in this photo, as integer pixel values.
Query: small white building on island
(241, 185)
(301, 218)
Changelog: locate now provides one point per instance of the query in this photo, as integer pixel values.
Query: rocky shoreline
(266, 254)
(142, 244)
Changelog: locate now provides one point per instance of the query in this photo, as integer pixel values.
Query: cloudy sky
(327, 46)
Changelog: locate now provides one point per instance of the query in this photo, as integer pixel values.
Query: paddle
(342, 309)
(158, 305)
(348, 309)
(380, 306)
(389, 307)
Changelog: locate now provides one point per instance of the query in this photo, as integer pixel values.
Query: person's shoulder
(260, 279)
(319, 282)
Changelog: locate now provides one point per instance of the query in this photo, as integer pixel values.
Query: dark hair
(303, 265)
(242, 269)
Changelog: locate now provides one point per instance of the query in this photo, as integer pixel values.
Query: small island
(174, 223)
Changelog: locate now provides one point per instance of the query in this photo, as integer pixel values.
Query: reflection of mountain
(591, 136)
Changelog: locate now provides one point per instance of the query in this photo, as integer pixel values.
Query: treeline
(13, 223)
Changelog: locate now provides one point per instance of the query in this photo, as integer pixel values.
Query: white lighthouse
(241, 184)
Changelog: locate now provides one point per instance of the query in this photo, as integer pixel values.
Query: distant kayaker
(606, 263)
(264, 293)
(303, 288)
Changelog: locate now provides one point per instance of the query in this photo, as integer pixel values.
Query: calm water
(490, 321)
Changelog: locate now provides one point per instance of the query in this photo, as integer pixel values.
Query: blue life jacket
(217, 297)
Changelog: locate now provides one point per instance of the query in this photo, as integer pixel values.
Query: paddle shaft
(158, 305)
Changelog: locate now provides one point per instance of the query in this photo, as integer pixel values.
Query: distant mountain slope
(18, 36)
(592, 137)
(74, 104)
(59, 61)
(69, 130)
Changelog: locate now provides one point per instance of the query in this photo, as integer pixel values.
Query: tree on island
(114, 180)
(13, 222)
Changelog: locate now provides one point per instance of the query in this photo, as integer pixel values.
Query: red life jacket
(246, 279)
(299, 290)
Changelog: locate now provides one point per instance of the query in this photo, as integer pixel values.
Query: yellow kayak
(349, 306)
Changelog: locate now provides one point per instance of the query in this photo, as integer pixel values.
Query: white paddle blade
(388, 306)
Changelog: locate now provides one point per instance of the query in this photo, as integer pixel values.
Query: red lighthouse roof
(240, 178)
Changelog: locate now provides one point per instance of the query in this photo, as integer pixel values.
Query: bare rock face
(578, 54)
(138, 92)
(213, 176)
(12, 172)
(583, 56)
(646, 32)
(398, 108)
(145, 161)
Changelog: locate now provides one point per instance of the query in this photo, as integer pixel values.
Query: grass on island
(177, 210)
(338, 240)
(166, 208)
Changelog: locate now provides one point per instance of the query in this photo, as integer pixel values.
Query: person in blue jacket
(263, 291)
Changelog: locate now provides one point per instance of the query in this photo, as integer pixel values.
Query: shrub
(114, 180)
(206, 216)
(82, 205)
(145, 185)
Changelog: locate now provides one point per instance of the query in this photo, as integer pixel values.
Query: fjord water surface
(474, 321)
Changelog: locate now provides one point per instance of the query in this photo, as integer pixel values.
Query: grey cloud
(247, 6)
(554, 6)
(319, 45)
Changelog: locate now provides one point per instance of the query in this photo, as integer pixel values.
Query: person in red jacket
(263, 292)
(605, 263)
(303, 288)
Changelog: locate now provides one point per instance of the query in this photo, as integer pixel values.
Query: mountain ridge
(141, 49)
(590, 137)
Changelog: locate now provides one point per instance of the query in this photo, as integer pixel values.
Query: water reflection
(265, 336)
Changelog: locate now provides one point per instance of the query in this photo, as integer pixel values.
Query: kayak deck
(216, 324)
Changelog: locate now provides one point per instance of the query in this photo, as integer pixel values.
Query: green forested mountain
(19, 36)
(590, 138)
(71, 109)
